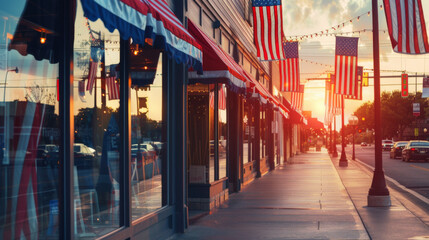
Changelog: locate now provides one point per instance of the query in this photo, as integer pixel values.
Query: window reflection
(29, 126)
(248, 132)
(147, 123)
(223, 130)
(96, 146)
(211, 123)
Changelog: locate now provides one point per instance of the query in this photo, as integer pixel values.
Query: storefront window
(202, 141)
(248, 138)
(147, 130)
(223, 130)
(200, 135)
(262, 133)
(96, 138)
(29, 120)
(211, 126)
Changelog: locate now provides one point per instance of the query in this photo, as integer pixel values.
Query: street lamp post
(353, 121)
(343, 159)
(378, 195)
(334, 143)
(330, 139)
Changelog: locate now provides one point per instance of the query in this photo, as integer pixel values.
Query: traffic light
(365, 82)
(404, 85)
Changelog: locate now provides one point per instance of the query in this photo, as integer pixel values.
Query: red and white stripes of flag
(92, 75)
(406, 26)
(289, 68)
(268, 29)
(112, 88)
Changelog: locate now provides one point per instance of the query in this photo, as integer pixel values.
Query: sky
(306, 17)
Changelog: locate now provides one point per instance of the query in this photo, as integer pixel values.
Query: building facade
(120, 117)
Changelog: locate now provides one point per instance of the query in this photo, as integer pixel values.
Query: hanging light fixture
(42, 37)
(136, 51)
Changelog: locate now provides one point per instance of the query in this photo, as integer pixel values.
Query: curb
(396, 183)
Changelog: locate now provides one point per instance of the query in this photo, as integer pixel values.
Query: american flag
(289, 68)
(336, 108)
(92, 75)
(268, 29)
(297, 98)
(221, 99)
(406, 26)
(346, 54)
(335, 103)
(359, 85)
(113, 88)
(22, 208)
(328, 103)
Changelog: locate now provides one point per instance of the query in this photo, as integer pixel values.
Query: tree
(396, 113)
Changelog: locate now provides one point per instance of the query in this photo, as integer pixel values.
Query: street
(413, 175)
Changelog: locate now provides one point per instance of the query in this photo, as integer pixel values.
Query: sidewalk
(303, 199)
(394, 222)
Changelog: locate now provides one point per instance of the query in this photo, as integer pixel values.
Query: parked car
(84, 156)
(135, 150)
(363, 144)
(42, 158)
(386, 145)
(50, 152)
(416, 150)
(397, 148)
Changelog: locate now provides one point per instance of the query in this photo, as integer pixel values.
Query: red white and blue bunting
(147, 22)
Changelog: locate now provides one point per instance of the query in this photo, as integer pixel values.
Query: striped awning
(147, 22)
(218, 67)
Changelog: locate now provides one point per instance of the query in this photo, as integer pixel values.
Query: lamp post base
(379, 201)
(343, 159)
(343, 163)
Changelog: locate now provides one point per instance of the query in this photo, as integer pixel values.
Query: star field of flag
(291, 49)
(346, 46)
(263, 3)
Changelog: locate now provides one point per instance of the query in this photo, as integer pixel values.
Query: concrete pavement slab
(303, 199)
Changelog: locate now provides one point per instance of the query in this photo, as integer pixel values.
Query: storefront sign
(416, 109)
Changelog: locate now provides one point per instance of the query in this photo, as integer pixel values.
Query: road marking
(422, 168)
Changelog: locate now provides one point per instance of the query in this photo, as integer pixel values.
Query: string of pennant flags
(333, 34)
(331, 31)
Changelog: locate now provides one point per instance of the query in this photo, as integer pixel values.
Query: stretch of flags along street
(408, 37)
(406, 28)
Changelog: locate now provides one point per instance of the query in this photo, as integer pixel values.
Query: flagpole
(343, 159)
(378, 195)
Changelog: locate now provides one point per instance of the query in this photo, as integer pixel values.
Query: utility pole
(378, 195)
